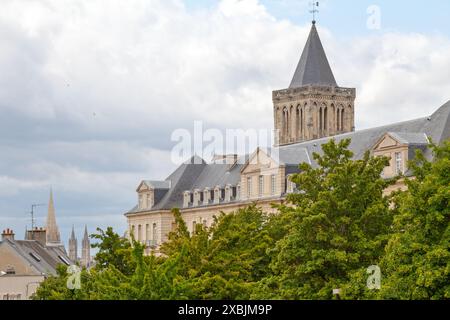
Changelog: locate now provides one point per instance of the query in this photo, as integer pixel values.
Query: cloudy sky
(90, 91)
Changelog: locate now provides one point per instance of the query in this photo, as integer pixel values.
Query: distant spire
(72, 236)
(53, 236)
(313, 67)
(86, 234)
(73, 246)
(86, 249)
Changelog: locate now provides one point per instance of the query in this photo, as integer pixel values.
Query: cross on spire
(315, 5)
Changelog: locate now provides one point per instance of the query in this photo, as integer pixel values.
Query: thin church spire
(52, 230)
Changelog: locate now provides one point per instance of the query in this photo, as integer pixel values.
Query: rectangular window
(132, 231)
(272, 184)
(147, 232)
(398, 163)
(249, 187)
(141, 202)
(261, 186)
(154, 234)
(139, 233)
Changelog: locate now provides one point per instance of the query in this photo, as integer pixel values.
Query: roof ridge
(352, 133)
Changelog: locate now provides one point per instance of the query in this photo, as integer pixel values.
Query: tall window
(342, 120)
(194, 225)
(325, 119)
(141, 201)
(139, 233)
(132, 231)
(398, 163)
(286, 122)
(302, 121)
(154, 233)
(147, 232)
(320, 120)
(272, 184)
(249, 187)
(261, 186)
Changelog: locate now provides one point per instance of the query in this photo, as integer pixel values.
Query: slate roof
(157, 184)
(197, 174)
(410, 138)
(437, 127)
(44, 259)
(313, 67)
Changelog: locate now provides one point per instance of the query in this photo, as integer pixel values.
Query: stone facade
(307, 115)
(313, 112)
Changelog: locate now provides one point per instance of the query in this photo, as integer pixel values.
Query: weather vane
(315, 5)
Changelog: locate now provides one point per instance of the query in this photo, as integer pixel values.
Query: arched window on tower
(320, 120)
(292, 124)
(333, 118)
(338, 119)
(285, 123)
(299, 123)
(342, 120)
(302, 123)
(325, 119)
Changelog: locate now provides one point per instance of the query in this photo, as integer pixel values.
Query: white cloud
(91, 90)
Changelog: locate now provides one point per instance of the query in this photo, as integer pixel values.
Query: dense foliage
(337, 224)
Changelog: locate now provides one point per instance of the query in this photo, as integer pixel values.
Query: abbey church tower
(313, 106)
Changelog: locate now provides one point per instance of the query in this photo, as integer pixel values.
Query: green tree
(339, 222)
(417, 260)
(226, 260)
(113, 250)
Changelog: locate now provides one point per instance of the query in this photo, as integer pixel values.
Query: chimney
(8, 234)
(38, 234)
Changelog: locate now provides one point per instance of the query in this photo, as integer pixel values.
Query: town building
(24, 264)
(307, 115)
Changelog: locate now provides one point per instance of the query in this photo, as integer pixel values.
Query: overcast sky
(90, 91)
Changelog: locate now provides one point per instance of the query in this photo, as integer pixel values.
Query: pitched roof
(197, 174)
(313, 67)
(410, 137)
(44, 259)
(157, 184)
(436, 127)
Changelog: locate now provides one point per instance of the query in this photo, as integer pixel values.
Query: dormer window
(291, 187)
(186, 199)
(151, 191)
(249, 187)
(398, 163)
(197, 196)
(228, 193)
(206, 196)
(261, 186)
(217, 195)
(141, 201)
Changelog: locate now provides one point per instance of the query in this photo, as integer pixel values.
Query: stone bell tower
(313, 106)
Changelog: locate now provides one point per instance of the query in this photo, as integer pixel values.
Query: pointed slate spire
(313, 67)
(53, 236)
(86, 234)
(73, 246)
(86, 249)
(72, 235)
